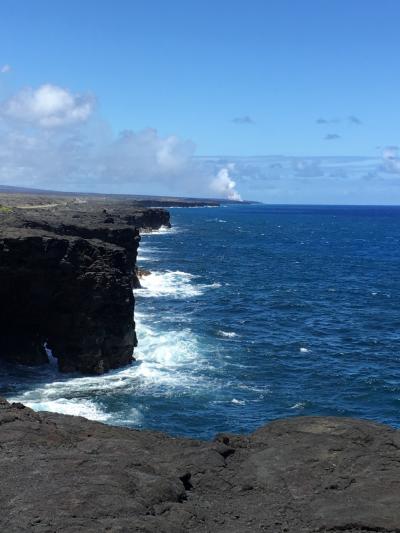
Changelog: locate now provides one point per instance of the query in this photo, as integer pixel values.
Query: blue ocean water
(251, 313)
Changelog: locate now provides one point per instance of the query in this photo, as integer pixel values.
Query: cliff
(63, 473)
(67, 271)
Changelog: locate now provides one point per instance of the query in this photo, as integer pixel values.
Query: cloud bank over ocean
(51, 137)
(283, 179)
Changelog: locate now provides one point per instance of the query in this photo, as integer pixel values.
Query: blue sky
(227, 78)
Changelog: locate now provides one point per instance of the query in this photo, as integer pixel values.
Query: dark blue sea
(251, 313)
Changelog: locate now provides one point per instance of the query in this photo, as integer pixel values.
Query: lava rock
(66, 280)
(300, 475)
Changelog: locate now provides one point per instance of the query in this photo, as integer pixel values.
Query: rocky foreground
(67, 474)
(67, 270)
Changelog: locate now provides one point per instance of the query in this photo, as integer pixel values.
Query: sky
(281, 101)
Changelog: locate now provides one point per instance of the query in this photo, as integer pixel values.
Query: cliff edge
(67, 270)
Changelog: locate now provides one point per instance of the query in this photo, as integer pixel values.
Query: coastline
(297, 474)
(67, 271)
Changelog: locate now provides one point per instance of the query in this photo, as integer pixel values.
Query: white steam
(223, 185)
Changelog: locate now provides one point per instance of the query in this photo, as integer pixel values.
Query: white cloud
(224, 186)
(5, 69)
(390, 152)
(391, 161)
(48, 106)
(307, 168)
(144, 155)
(50, 138)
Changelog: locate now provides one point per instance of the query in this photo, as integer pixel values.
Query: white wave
(145, 256)
(227, 334)
(163, 230)
(174, 284)
(75, 407)
(299, 405)
(167, 362)
(304, 350)
(263, 391)
(196, 207)
(238, 402)
(167, 357)
(146, 253)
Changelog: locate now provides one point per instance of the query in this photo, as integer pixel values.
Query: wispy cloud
(354, 120)
(307, 168)
(331, 137)
(351, 119)
(322, 120)
(243, 120)
(5, 69)
(390, 160)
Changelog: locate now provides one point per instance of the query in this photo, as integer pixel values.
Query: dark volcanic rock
(66, 279)
(63, 473)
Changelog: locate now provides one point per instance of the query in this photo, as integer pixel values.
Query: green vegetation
(5, 209)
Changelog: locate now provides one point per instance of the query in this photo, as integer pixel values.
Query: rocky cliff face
(66, 279)
(301, 475)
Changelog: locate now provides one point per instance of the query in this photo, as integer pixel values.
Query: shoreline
(295, 475)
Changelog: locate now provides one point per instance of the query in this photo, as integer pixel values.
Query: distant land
(145, 200)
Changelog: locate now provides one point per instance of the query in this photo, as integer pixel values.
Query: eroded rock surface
(66, 276)
(64, 473)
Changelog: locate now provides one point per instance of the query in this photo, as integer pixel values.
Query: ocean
(250, 313)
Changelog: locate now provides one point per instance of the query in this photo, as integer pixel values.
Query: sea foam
(226, 334)
(173, 284)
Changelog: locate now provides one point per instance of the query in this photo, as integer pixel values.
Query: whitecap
(299, 405)
(75, 407)
(215, 285)
(163, 230)
(173, 284)
(167, 362)
(146, 253)
(227, 334)
(238, 402)
(168, 358)
(304, 350)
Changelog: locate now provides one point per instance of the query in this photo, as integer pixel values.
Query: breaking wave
(174, 284)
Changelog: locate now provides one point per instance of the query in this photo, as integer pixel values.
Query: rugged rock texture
(66, 276)
(63, 473)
